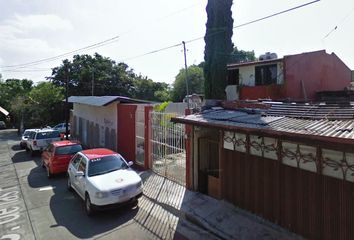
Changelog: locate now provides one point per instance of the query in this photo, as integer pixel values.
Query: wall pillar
(147, 137)
(188, 142)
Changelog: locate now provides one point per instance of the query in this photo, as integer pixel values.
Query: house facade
(292, 164)
(294, 77)
(113, 122)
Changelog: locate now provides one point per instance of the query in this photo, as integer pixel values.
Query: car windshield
(106, 164)
(68, 150)
(49, 134)
(27, 133)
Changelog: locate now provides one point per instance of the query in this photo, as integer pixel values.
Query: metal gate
(168, 147)
(140, 135)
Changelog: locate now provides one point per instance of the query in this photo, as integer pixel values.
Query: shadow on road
(52, 206)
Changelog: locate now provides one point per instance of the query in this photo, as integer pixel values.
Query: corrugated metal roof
(317, 111)
(306, 122)
(102, 100)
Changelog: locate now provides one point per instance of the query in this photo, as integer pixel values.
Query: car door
(30, 139)
(47, 154)
(81, 180)
(72, 169)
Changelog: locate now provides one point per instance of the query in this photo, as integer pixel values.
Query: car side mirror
(79, 174)
(130, 163)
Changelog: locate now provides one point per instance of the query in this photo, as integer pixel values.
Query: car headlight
(101, 194)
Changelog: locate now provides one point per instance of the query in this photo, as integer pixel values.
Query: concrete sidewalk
(220, 219)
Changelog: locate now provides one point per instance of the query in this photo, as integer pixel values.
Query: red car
(56, 157)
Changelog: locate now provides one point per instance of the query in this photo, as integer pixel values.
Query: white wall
(247, 74)
(105, 116)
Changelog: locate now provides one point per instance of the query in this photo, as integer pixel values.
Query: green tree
(195, 83)
(42, 106)
(108, 77)
(147, 89)
(12, 88)
(218, 46)
(238, 56)
(46, 103)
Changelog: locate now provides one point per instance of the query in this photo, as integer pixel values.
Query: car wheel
(69, 184)
(88, 206)
(49, 174)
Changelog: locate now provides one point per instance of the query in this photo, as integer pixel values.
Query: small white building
(108, 121)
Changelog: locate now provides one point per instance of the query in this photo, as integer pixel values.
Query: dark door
(126, 131)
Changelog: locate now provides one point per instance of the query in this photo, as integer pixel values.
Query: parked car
(40, 139)
(56, 157)
(103, 179)
(61, 127)
(2, 125)
(25, 136)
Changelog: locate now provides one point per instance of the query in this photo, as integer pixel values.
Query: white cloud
(40, 22)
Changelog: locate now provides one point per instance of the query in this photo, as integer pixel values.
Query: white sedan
(103, 179)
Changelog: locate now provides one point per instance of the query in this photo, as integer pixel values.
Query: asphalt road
(35, 207)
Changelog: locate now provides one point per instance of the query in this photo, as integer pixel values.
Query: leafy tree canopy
(108, 77)
(238, 56)
(195, 83)
(12, 88)
(42, 106)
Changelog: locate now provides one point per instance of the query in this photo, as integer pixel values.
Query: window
(68, 150)
(32, 134)
(82, 165)
(266, 74)
(27, 133)
(75, 161)
(233, 77)
(49, 134)
(50, 148)
(106, 164)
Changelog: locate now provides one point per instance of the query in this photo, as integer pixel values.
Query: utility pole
(66, 104)
(185, 66)
(93, 82)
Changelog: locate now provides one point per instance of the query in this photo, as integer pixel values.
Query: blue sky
(37, 29)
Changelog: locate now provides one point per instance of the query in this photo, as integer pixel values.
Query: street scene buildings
(238, 146)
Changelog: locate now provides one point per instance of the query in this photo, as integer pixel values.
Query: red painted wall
(262, 92)
(126, 131)
(319, 71)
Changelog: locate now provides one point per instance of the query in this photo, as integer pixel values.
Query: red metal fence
(308, 203)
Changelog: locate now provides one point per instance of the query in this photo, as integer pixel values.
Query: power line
(99, 44)
(114, 39)
(215, 33)
(152, 52)
(27, 70)
(336, 27)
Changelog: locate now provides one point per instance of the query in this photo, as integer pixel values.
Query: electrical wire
(336, 27)
(99, 44)
(221, 31)
(114, 39)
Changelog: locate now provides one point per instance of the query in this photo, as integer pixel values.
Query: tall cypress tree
(218, 46)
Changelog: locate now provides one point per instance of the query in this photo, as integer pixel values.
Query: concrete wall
(318, 71)
(95, 126)
(176, 107)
